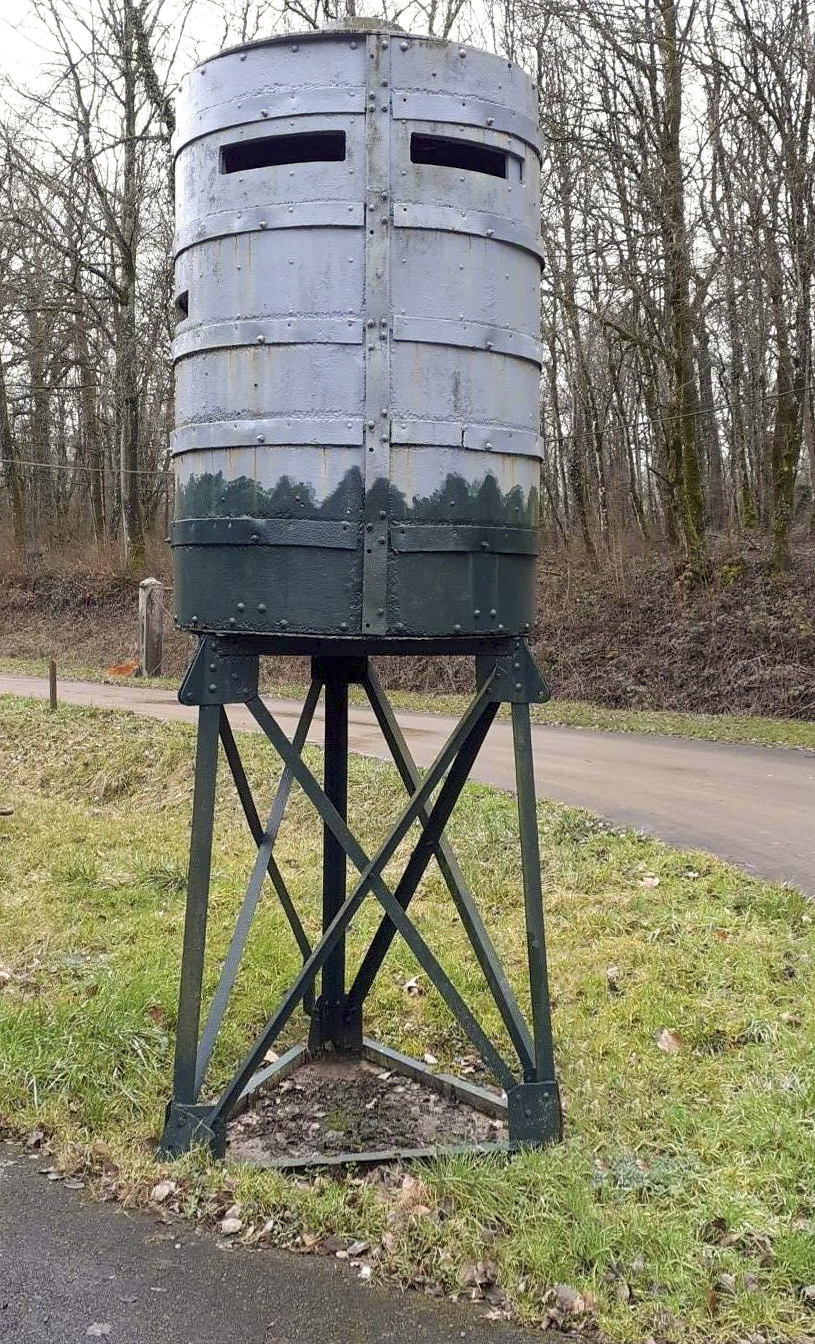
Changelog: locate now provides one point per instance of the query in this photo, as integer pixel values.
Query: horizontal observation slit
(273, 150)
(441, 151)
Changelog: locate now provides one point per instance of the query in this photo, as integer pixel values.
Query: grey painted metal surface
(357, 356)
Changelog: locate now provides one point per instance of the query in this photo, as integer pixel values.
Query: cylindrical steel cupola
(357, 354)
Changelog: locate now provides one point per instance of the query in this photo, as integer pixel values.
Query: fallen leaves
(126, 669)
(669, 1041)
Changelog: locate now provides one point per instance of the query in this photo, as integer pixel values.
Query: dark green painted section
(210, 496)
(456, 501)
(460, 561)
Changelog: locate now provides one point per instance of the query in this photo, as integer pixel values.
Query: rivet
(232, 620)
(384, 107)
(517, 667)
(485, 545)
(488, 447)
(264, 112)
(193, 620)
(380, 611)
(243, 57)
(382, 514)
(493, 612)
(256, 537)
(213, 686)
(241, 606)
(403, 46)
(213, 667)
(384, 44)
(490, 121)
(353, 46)
(233, 676)
(456, 629)
(294, 46)
(518, 686)
(384, 412)
(490, 345)
(261, 438)
(381, 541)
(371, 424)
(261, 607)
(477, 611)
(284, 625)
(262, 224)
(261, 340)
(372, 97)
(500, 627)
(384, 83)
(369, 527)
(490, 233)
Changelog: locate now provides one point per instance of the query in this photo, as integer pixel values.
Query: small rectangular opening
(273, 150)
(468, 155)
(182, 305)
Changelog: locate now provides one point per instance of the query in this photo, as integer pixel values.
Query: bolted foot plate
(534, 1113)
(188, 1126)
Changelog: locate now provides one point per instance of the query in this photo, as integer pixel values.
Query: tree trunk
(8, 452)
(127, 351)
(683, 454)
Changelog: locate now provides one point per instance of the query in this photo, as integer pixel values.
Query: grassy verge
(681, 1204)
(745, 728)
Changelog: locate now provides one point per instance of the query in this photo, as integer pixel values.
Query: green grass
(676, 1169)
(744, 728)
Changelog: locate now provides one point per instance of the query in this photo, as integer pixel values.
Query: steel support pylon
(225, 671)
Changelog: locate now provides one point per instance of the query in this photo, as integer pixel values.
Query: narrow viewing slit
(273, 150)
(182, 305)
(465, 154)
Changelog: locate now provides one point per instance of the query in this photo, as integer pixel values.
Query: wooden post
(151, 627)
(52, 683)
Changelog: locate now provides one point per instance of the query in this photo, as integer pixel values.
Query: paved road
(67, 1264)
(752, 805)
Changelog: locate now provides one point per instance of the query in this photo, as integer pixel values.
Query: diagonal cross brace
(469, 914)
(464, 743)
(264, 862)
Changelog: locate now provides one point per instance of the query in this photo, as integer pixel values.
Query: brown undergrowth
(628, 637)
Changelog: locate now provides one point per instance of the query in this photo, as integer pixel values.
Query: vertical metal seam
(377, 333)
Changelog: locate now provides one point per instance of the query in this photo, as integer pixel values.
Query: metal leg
(185, 1122)
(328, 1023)
(195, 923)
(534, 1106)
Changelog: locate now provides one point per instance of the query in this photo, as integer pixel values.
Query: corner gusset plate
(216, 678)
(517, 679)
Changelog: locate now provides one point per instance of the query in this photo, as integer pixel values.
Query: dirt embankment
(628, 637)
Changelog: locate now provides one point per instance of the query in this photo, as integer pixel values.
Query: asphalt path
(751, 805)
(72, 1270)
